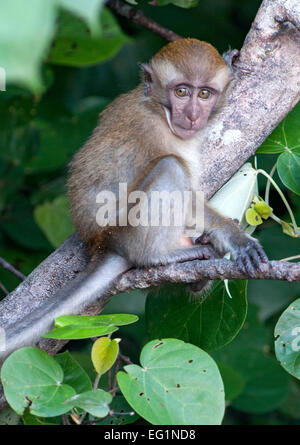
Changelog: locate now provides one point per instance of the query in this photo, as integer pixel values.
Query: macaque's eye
(181, 92)
(204, 93)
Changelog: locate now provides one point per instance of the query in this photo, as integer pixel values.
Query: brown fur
(131, 138)
(134, 143)
(191, 56)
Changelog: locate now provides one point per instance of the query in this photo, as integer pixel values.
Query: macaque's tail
(87, 287)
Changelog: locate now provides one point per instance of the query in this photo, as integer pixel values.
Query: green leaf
(180, 3)
(75, 332)
(25, 35)
(61, 138)
(234, 383)
(54, 219)
(74, 46)
(74, 375)
(104, 354)
(12, 180)
(252, 217)
(288, 229)
(17, 135)
(19, 224)
(31, 378)
(113, 319)
(288, 167)
(291, 406)
(209, 324)
(50, 154)
(287, 339)
(263, 209)
(286, 134)
(84, 326)
(89, 10)
(266, 386)
(177, 384)
(29, 419)
(94, 402)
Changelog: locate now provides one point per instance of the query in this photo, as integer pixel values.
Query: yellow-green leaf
(263, 209)
(253, 218)
(288, 229)
(104, 354)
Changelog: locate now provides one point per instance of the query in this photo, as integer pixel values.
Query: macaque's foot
(251, 257)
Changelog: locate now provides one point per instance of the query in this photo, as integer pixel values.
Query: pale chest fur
(189, 152)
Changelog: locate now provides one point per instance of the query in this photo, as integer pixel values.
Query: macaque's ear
(230, 56)
(148, 78)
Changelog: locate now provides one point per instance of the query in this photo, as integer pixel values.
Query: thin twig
(116, 413)
(3, 288)
(113, 390)
(109, 379)
(12, 269)
(65, 419)
(125, 359)
(138, 17)
(290, 258)
(116, 370)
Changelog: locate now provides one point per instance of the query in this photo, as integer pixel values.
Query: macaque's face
(186, 77)
(191, 104)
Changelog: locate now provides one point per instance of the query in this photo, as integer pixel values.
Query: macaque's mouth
(185, 133)
(180, 130)
(192, 129)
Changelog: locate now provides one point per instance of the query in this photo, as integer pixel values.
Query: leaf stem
(268, 186)
(97, 380)
(296, 230)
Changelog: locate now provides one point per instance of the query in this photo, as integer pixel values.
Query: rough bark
(266, 87)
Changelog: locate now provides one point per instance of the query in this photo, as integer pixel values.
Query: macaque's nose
(193, 117)
(193, 111)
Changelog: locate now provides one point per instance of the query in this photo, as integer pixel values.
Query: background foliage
(63, 66)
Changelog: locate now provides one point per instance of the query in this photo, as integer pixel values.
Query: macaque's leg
(187, 254)
(146, 245)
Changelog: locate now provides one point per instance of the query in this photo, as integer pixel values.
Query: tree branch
(138, 17)
(193, 271)
(265, 89)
